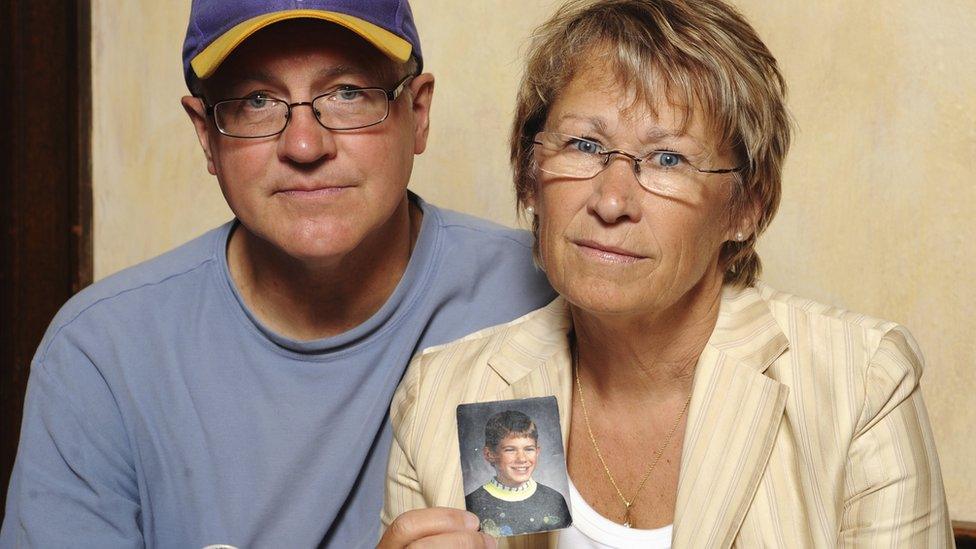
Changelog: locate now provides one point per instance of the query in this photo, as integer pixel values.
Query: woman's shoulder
(830, 345)
(785, 305)
(805, 320)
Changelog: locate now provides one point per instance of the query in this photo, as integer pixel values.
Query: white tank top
(591, 530)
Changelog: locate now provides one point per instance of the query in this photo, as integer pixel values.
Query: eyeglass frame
(636, 160)
(392, 94)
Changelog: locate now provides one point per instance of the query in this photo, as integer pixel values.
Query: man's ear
(487, 454)
(197, 112)
(421, 94)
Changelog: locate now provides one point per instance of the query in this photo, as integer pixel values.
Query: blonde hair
(703, 53)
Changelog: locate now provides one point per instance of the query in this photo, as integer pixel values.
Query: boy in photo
(511, 502)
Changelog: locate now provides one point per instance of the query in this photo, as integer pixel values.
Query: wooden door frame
(45, 186)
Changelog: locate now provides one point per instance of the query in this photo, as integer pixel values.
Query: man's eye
(258, 101)
(666, 159)
(584, 146)
(349, 94)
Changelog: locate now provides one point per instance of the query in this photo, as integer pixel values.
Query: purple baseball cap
(218, 26)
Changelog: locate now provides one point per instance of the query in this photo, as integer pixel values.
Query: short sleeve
(73, 482)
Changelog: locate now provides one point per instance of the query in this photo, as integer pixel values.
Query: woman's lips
(609, 254)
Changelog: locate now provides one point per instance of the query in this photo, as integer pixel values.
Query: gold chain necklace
(657, 455)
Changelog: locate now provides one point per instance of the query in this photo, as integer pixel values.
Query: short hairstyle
(509, 423)
(701, 53)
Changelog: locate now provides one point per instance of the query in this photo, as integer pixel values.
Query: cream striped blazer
(806, 426)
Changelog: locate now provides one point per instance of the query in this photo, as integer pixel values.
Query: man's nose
(305, 140)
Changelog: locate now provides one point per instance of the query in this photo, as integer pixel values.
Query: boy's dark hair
(509, 423)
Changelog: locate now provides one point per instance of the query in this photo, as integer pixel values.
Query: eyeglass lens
(568, 156)
(263, 116)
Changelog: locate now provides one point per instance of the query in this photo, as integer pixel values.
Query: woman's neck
(649, 356)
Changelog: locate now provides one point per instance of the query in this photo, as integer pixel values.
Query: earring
(739, 237)
(530, 210)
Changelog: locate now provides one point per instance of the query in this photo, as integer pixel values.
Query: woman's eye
(667, 159)
(584, 146)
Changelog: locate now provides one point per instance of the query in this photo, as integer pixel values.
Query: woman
(512, 502)
(701, 409)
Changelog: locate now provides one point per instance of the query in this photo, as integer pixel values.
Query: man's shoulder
(479, 274)
(136, 287)
(487, 258)
(476, 347)
(468, 229)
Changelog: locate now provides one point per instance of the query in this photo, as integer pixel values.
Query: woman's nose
(616, 192)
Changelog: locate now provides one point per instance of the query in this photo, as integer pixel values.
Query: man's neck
(305, 301)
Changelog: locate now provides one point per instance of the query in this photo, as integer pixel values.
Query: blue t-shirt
(161, 413)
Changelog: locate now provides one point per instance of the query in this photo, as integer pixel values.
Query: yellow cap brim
(206, 62)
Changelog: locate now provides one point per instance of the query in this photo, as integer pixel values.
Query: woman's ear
(743, 227)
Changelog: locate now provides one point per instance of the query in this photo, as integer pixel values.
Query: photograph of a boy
(512, 502)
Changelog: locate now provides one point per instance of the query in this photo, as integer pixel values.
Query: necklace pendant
(627, 518)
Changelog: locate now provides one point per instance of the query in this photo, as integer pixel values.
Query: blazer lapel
(535, 361)
(734, 416)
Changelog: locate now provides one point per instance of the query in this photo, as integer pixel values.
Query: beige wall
(878, 204)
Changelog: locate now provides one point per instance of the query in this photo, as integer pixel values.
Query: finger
(421, 523)
(456, 540)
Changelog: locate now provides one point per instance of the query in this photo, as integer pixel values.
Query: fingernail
(471, 521)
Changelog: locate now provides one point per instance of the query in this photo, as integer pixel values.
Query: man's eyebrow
(344, 70)
(257, 74)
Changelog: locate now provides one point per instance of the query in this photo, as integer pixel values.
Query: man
(235, 390)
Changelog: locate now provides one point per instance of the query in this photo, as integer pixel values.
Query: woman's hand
(436, 527)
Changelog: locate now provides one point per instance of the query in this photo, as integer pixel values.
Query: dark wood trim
(81, 227)
(45, 186)
(965, 533)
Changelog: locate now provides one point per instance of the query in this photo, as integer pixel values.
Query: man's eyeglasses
(662, 172)
(348, 108)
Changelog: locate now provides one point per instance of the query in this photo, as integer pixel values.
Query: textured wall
(878, 205)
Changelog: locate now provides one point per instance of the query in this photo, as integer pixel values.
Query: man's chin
(320, 245)
(322, 252)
